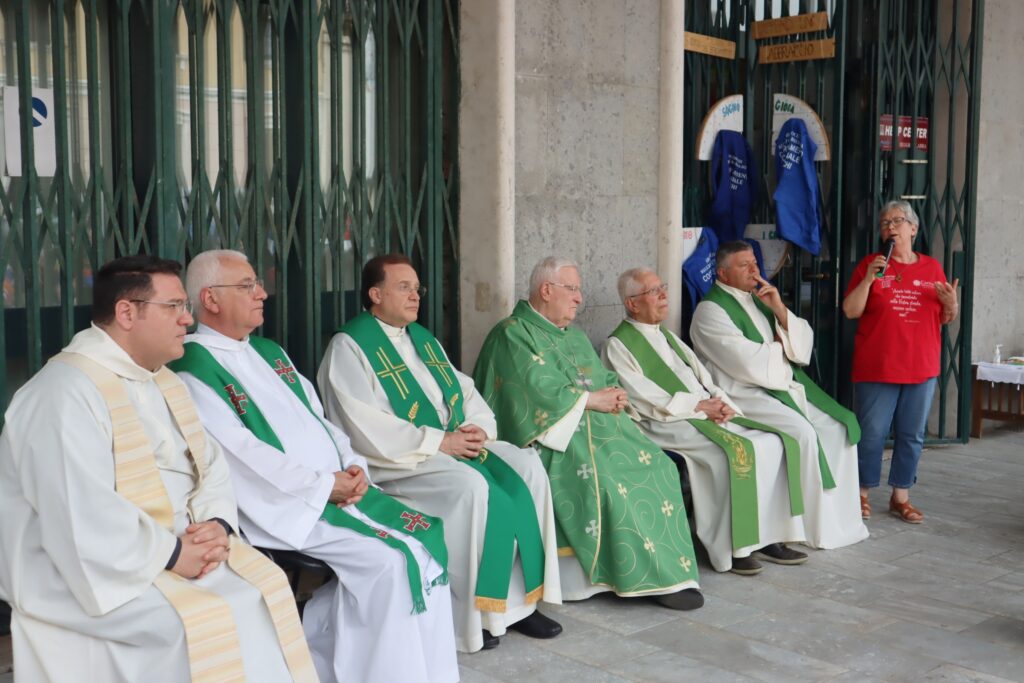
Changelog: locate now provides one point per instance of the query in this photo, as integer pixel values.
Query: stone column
(670, 157)
(487, 170)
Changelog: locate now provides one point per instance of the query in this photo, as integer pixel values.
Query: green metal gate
(808, 283)
(311, 134)
(920, 57)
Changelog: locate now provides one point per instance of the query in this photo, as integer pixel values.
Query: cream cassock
(745, 371)
(662, 417)
(406, 462)
(78, 560)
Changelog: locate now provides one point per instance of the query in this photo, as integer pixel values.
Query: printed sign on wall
(43, 138)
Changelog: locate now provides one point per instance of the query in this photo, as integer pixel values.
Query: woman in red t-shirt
(901, 305)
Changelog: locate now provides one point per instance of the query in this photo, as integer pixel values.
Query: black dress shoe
(780, 553)
(537, 626)
(746, 566)
(684, 600)
(490, 642)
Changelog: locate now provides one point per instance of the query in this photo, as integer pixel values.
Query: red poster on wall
(905, 132)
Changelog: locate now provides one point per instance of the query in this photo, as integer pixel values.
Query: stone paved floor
(942, 601)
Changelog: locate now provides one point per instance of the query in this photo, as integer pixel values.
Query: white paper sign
(726, 114)
(44, 137)
(786, 107)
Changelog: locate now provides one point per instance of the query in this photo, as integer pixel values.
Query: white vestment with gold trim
(78, 560)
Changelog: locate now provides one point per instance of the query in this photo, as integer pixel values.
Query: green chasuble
(618, 504)
(377, 506)
(816, 396)
(511, 512)
(738, 450)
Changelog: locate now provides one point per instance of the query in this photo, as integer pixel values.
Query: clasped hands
(465, 442)
(203, 547)
(717, 410)
(608, 400)
(350, 486)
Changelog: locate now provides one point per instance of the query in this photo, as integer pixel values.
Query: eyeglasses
(895, 222)
(181, 307)
(405, 289)
(660, 289)
(573, 289)
(249, 285)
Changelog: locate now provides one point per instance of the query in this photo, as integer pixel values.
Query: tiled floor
(941, 601)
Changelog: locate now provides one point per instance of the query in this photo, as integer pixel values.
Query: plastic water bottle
(997, 357)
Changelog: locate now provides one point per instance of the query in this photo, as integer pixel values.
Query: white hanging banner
(44, 138)
(786, 107)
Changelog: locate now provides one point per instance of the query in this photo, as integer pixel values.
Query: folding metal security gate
(311, 134)
(917, 65)
(916, 59)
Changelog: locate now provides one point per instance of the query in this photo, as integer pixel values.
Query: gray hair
(547, 269)
(905, 207)
(728, 249)
(629, 282)
(205, 270)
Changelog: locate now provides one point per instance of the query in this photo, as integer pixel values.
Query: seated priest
(744, 476)
(118, 549)
(756, 350)
(430, 442)
(621, 519)
(301, 487)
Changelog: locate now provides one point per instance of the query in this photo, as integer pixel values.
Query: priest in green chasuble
(744, 475)
(430, 441)
(621, 520)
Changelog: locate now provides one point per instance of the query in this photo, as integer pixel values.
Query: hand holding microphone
(887, 248)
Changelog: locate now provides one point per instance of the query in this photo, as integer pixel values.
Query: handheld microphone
(889, 245)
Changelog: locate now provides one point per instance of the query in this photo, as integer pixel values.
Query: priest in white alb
(118, 549)
(745, 485)
(756, 350)
(431, 442)
(301, 487)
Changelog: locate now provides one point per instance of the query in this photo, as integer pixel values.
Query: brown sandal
(865, 508)
(905, 511)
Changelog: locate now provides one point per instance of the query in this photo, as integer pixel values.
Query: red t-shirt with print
(898, 338)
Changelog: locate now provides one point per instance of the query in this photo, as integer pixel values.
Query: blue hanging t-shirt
(796, 195)
(735, 188)
(699, 267)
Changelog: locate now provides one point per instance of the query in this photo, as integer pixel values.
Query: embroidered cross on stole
(511, 512)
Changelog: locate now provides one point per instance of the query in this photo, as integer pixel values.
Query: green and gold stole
(816, 396)
(738, 450)
(511, 512)
(377, 506)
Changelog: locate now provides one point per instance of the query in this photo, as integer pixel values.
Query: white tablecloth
(1003, 372)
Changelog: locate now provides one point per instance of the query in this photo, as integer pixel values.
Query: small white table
(996, 394)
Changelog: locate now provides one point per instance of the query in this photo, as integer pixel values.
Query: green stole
(816, 396)
(738, 450)
(379, 507)
(511, 512)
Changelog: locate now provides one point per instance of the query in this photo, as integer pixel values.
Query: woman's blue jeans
(902, 409)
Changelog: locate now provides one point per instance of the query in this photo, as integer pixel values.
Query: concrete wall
(999, 258)
(487, 168)
(587, 143)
